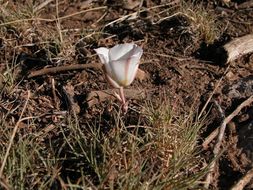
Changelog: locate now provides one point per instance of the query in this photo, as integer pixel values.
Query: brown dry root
(239, 47)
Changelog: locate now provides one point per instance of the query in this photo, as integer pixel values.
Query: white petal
(111, 81)
(133, 67)
(109, 75)
(124, 71)
(118, 51)
(103, 54)
(120, 63)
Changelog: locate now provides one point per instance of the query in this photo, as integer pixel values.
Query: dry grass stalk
(213, 92)
(52, 20)
(13, 135)
(40, 6)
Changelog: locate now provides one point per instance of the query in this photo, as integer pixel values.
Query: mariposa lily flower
(120, 65)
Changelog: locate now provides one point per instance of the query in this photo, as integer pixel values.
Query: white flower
(120, 63)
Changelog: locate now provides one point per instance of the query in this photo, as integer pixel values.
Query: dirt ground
(180, 62)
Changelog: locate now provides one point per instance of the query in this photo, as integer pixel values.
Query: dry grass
(203, 22)
(161, 154)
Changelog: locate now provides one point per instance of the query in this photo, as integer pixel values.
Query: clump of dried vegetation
(203, 23)
(161, 152)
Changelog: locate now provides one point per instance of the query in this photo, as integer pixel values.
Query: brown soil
(178, 63)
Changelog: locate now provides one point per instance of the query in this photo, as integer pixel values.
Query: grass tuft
(203, 22)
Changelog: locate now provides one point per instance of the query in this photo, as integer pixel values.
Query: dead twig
(13, 135)
(216, 147)
(239, 47)
(243, 181)
(227, 120)
(141, 75)
(221, 131)
(54, 94)
(53, 70)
